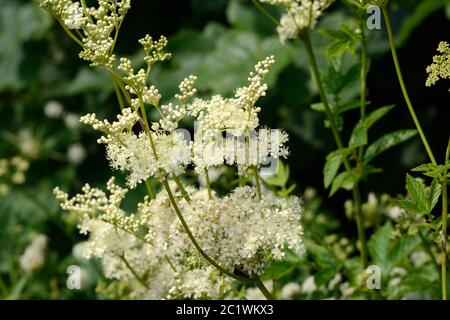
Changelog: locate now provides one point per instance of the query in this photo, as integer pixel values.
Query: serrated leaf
(401, 249)
(430, 170)
(386, 142)
(378, 246)
(433, 195)
(322, 256)
(359, 135)
(417, 192)
(344, 40)
(410, 206)
(331, 168)
(344, 180)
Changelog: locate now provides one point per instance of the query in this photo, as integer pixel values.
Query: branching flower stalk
(221, 230)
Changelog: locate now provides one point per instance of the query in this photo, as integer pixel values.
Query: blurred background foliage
(219, 41)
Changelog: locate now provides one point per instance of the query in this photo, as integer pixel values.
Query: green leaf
(410, 206)
(281, 178)
(331, 168)
(386, 142)
(378, 246)
(416, 190)
(322, 256)
(401, 249)
(431, 170)
(343, 40)
(318, 107)
(359, 135)
(433, 195)
(344, 180)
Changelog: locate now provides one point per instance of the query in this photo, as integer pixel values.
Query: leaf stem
(139, 278)
(364, 71)
(182, 189)
(356, 193)
(266, 13)
(263, 289)
(257, 183)
(403, 86)
(208, 183)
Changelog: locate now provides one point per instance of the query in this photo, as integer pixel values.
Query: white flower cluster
(299, 15)
(236, 115)
(238, 118)
(151, 253)
(97, 25)
(238, 231)
(251, 150)
(140, 155)
(152, 263)
(34, 256)
(440, 68)
(135, 155)
(12, 171)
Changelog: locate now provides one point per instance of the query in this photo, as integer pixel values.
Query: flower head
(440, 68)
(299, 15)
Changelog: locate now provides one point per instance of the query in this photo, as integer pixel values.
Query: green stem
(444, 227)
(141, 281)
(182, 189)
(118, 94)
(194, 241)
(69, 33)
(356, 193)
(360, 225)
(257, 183)
(263, 289)
(427, 247)
(403, 87)
(208, 183)
(364, 71)
(266, 13)
(149, 188)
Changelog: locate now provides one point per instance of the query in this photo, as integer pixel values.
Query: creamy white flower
(34, 256)
(135, 155)
(309, 285)
(419, 258)
(335, 281)
(290, 289)
(394, 212)
(74, 17)
(76, 153)
(299, 15)
(440, 68)
(71, 120)
(53, 109)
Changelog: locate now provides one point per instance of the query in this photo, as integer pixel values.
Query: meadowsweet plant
(182, 240)
(357, 155)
